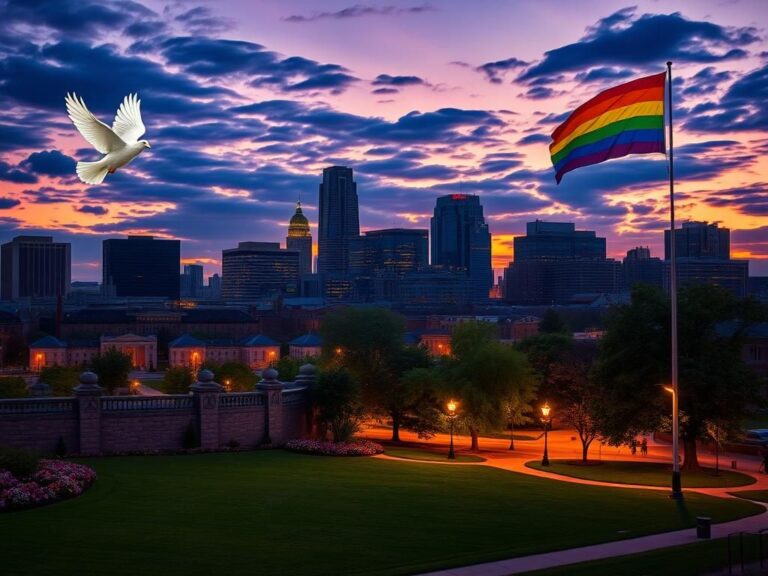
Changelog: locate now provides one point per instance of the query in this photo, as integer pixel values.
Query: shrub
(12, 387)
(177, 380)
(190, 436)
(61, 379)
(353, 448)
(240, 377)
(51, 480)
(113, 368)
(61, 448)
(20, 463)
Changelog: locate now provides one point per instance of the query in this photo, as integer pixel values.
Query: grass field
(273, 512)
(647, 473)
(427, 455)
(759, 495)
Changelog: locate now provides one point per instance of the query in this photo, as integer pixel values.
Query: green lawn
(429, 455)
(759, 495)
(647, 473)
(690, 560)
(273, 512)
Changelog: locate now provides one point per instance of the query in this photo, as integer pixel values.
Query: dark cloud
(13, 137)
(602, 73)
(534, 139)
(397, 81)
(335, 82)
(360, 10)
(49, 163)
(385, 91)
(11, 174)
(705, 81)
(743, 107)
(200, 20)
(651, 39)
(494, 71)
(97, 210)
(149, 28)
(6, 203)
(540, 93)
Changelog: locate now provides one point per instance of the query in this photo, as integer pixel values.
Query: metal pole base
(677, 487)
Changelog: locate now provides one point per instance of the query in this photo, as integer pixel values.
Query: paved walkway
(561, 446)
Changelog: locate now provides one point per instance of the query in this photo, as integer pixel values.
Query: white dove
(120, 144)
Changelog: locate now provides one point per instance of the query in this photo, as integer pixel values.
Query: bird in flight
(120, 144)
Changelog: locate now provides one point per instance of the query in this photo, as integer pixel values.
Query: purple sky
(246, 102)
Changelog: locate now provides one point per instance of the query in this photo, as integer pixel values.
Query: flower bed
(52, 481)
(353, 448)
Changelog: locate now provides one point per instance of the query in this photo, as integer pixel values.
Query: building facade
(700, 240)
(50, 351)
(299, 240)
(641, 268)
(257, 351)
(339, 220)
(461, 240)
(34, 267)
(141, 266)
(259, 270)
(192, 281)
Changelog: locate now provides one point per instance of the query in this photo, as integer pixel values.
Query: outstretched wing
(98, 134)
(128, 124)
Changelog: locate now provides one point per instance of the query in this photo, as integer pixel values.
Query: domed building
(299, 239)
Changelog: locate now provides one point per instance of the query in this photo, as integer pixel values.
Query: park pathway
(561, 446)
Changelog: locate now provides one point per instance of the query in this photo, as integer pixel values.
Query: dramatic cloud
(494, 71)
(360, 10)
(623, 39)
(397, 81)
(97, 210)
(50, 163)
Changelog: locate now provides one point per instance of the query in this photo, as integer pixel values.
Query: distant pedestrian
(644, 447)
(633, 446)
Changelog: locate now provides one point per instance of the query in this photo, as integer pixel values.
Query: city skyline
(243, 113)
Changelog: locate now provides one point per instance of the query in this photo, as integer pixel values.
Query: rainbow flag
(625, 119)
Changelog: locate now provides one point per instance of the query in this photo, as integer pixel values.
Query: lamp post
(677, 491)
(135, 387)
(227, 386)
(451, 417)
(39, 361)
(545, 410)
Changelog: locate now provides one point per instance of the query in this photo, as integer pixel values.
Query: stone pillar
(88, 394)
(207, 393)
(306, 378)
(273, 406)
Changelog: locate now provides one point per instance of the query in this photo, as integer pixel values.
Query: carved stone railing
(241, 399)
(293, 396)
(132, 403)
(37, 405)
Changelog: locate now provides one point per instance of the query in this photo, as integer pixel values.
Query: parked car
(758, 437)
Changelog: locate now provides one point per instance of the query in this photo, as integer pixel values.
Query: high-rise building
(554, 262)
(35, 267)
(258, 270)
(339, 220)
(141, 266)
(546, 240)
(300, 240)
(192, 281)
(700, 240)
(397, 250)
(461, 240)
(641, 268)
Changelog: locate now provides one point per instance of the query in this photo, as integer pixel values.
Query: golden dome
(299, 225)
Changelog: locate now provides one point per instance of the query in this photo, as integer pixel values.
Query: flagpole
(676, 485)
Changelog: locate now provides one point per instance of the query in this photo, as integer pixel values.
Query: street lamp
(227, 385)
(677, 491)
(135, 387)
(39, 361)
(545, 410)
(451, 417)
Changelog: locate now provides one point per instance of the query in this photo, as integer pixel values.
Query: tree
(714, 383)
(113, 368)
(288, 368)
(519, 405)
(234, 376)
(552, 323)
(545, 352)
(484, 374)
(336, 396)
(581, 397)
(12, 387)
(61, 379)
(177, 380)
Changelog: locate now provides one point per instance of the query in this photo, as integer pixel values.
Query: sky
(245, 102)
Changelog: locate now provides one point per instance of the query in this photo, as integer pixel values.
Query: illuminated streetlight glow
(452, 405)
(677, 491)
(545, 411)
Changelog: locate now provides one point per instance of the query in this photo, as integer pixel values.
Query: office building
(300, 240)
(461, 240)
(641, 268)
(339, 221)
(395, 250)
(700, 240)
(141, 266)
(258, 270)
(546, 240)
(192, 281)
(34, 267)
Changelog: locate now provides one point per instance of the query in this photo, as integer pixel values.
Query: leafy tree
(336, 396)
(552, 323)
(416, 403)
(288, 368)
(714, 383)
(12, 387)
(519, 404)
(177, 380)
(113, 368)
(239, 375)
(484, 373)
(61, 379)
(545, 352)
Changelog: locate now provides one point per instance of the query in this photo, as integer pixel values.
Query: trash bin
(703, 527)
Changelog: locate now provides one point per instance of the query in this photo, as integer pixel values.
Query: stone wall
(92, 424)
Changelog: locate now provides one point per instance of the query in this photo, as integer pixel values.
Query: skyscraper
(339, 220)
(35, 267)
(257, 270)
(547, 240)
(641, 268)
(396, 250)
(700, 240)
(461, 240)
(300, 240)
(141, 266)
(192, 281)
